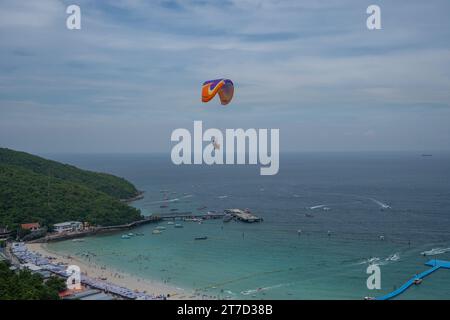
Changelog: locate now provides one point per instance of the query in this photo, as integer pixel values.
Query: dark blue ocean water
(270, 259)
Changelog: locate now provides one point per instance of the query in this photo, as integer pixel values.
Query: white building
(68, 226)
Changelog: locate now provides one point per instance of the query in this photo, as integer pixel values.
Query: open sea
(335, 199)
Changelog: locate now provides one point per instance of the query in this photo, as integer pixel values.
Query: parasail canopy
(223, 87)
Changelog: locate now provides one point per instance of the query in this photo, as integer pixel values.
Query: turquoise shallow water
(270, 260)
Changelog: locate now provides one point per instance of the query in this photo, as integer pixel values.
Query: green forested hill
(28, 194)
(114, 186)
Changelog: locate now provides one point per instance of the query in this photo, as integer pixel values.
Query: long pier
(190, 215)
(434, 264)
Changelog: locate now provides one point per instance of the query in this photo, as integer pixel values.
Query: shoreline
(116, 277)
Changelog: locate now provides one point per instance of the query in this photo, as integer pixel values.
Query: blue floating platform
(434, 264)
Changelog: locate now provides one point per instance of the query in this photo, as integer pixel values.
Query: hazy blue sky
(133, 73)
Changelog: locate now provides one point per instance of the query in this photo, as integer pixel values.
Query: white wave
(435, 251)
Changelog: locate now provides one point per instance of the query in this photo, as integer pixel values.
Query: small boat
(131, 234)
(201, 238)
(170, 222)
(174, 209)
(160, 228)
(369, 298)
(156, 231)
(417, 281)
(125, 236)
(227, 218)
(77, 240)
(178, 225)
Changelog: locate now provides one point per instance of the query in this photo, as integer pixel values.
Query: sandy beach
(113, 276)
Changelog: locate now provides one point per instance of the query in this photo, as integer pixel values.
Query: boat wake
(381, 204)
(435, 251)
(172, 200)
(381, 262)
(370, 261)
(393, 257)
(257, 290)
(317, 207)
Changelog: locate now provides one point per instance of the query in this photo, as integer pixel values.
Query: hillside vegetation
(33, 189)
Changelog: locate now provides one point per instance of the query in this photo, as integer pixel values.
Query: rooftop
(28, 226)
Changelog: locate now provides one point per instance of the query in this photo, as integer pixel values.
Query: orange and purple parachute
(224, 87)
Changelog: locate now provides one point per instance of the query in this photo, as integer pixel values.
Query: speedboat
(161, 228)
(417, 281)
(201, 238)
(170, 222)
(125, 236)
(156, 231)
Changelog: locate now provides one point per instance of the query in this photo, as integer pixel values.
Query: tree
(24, 285)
